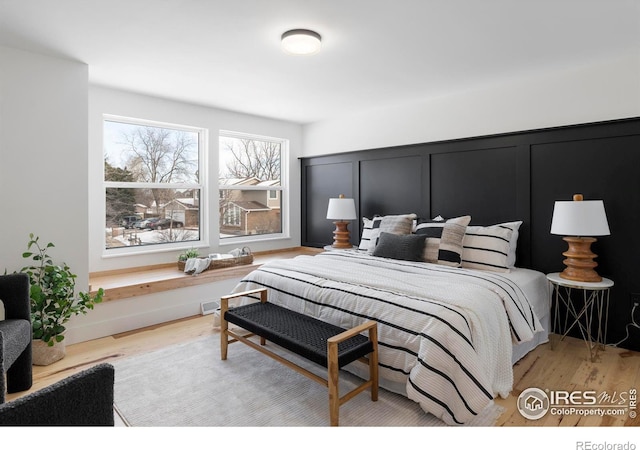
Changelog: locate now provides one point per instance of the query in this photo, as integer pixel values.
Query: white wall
(109, 101)
(43, 158)
(605, 91)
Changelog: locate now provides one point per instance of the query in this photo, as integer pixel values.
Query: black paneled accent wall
(514, 176)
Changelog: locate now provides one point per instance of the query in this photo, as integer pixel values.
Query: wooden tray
(222, 263)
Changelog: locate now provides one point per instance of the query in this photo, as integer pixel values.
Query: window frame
(283, 189)
(202, 186)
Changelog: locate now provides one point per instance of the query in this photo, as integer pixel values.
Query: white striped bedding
(445, 333)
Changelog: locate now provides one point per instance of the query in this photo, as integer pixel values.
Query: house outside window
(252, 187)
(153, 184)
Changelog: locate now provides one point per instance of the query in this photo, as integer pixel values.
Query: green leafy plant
(191, 253)
(52, 292)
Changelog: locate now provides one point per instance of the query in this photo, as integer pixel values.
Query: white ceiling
(226, 54)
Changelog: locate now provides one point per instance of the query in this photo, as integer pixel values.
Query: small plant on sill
(191, 253)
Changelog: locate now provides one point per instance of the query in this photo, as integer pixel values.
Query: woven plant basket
(222, 263)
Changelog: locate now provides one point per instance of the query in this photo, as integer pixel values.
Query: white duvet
(445, 333)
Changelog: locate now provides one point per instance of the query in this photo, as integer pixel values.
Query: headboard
(448, 179)
(500, 178)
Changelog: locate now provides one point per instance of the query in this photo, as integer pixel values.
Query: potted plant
(191, 253)
(184, 256)
(53, 301)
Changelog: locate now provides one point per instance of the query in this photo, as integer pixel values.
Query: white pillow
(1, 310)
(486, 248)
(513, 243)
(491, 248)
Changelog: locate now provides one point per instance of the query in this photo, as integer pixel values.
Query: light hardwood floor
(566, 367)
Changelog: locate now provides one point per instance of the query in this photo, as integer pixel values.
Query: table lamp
(341, 210)
(578, 221)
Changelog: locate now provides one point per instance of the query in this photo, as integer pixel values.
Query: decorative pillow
(444, 239)
(399, 224)
(513, 243)
(407, 247)
(370, 233)
(487, 248)
(371, 229)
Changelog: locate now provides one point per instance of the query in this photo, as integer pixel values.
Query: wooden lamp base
(341, 237)
(579, 260)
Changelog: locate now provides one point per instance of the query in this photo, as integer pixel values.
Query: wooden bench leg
(224, 327)
(373, 363)
(332, 383)
(333, 369)
(263, 299)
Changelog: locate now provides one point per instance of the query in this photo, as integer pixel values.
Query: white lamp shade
(341, 209)
(580, 218)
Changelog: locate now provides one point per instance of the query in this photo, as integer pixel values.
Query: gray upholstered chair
(82, 399)
(15, 334)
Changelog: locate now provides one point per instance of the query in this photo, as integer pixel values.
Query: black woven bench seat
(322, 343)
(303, 335)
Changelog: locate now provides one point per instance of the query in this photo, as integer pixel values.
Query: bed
(448, 335)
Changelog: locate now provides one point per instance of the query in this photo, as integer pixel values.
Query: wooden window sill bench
(135, 281)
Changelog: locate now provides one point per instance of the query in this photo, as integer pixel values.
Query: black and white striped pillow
(370, 233)
(513, 243)
(487, 248)
(444, 240)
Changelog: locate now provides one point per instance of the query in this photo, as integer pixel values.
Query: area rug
(187, 385)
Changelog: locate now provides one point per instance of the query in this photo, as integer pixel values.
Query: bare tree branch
(253, 158)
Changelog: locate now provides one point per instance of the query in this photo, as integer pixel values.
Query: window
(252, 186)
(231, 216)
(153, 184)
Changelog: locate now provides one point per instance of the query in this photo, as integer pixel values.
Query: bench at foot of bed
(325, 344)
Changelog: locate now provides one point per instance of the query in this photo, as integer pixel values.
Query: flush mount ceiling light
(301, 42)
